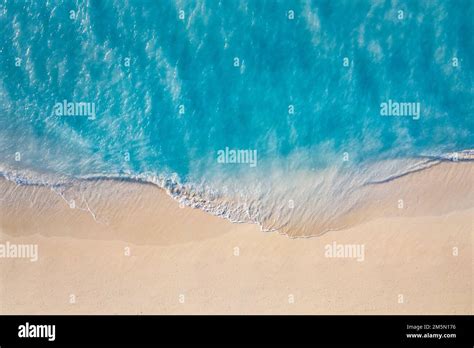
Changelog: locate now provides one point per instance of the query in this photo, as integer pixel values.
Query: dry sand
(182, 260)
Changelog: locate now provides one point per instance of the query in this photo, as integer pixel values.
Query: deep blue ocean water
(173, 82)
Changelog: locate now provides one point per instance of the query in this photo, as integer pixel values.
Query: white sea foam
(276, 201)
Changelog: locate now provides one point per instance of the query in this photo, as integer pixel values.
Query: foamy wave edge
(191, 195)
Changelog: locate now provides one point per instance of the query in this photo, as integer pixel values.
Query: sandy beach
(147, 255)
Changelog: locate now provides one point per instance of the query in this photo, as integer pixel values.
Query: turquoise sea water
(174, 82)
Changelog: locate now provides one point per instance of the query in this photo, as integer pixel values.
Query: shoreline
(377, 198)
(175, 252)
